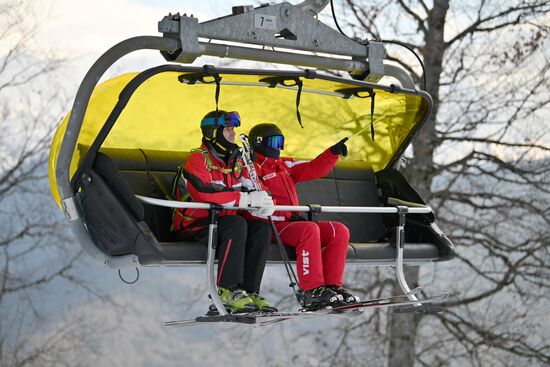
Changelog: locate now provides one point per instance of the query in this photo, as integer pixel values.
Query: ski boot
(321, 297)
(346, 294)
(234, 301)
(262, 303)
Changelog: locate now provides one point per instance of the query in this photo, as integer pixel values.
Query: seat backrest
(114, 216)
(348, 184)
(150, 173)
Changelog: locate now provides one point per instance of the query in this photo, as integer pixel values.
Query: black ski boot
(349, 298)
(321, 297)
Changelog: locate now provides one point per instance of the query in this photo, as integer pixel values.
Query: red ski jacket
(281, 175)
(206, 178)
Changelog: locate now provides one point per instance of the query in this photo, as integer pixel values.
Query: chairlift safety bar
(214, 209)
(285, 208)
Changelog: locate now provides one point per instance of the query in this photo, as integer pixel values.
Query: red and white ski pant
(321, 251)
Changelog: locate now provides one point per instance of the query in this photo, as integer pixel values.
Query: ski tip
(179, 322)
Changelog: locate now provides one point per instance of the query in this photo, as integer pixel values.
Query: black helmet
(267, 139)
(216, 119)
(212, 125)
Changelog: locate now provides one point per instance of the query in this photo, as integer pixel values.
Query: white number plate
(265, 21)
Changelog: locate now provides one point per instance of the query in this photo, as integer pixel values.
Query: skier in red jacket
(214, 173)
(321, 247)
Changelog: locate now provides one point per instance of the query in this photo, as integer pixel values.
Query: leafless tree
(35, 251)
(482, 163)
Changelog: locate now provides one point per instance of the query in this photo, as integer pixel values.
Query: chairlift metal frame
(251, 34)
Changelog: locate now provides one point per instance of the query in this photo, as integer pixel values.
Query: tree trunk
(420, 173)
(402, 328)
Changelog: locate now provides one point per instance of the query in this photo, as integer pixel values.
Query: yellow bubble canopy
(164, 110)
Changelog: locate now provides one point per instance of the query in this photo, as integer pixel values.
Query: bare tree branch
(481, 25)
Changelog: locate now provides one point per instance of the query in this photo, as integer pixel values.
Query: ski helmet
(267, 139)
(212, 125)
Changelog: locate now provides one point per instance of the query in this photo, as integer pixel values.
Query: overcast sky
(95, 25)
(83, 29)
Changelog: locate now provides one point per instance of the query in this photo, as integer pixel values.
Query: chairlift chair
(114, 156)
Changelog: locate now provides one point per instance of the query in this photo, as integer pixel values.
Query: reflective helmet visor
(275, 142)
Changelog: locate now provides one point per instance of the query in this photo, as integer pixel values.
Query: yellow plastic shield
(164, 114)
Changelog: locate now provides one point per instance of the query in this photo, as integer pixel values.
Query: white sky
(83, 29)
(93, 26)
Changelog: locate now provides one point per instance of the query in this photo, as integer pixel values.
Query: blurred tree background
(482, 162)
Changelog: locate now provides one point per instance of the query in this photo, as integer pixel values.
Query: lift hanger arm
(293, 28)
(315, 6)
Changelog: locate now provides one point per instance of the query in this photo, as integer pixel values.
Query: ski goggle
(274, 142)
(229, 119)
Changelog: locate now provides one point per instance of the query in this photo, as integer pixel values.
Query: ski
(401, 303)
(401, 300)
(424, 305)
(246, 318)
(401, 297)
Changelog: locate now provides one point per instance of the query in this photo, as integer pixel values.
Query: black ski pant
(243, 247)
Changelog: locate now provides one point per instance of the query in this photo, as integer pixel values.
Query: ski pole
(247, 154)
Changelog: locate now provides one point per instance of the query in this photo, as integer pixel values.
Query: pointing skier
(321, 247)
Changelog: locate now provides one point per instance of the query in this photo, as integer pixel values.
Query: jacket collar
(267, 162)
(212, 152)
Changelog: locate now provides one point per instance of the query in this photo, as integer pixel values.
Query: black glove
(340, 148)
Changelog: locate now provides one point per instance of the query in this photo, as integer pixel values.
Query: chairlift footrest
(236, 318)
(241, 319)
(426, 309)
